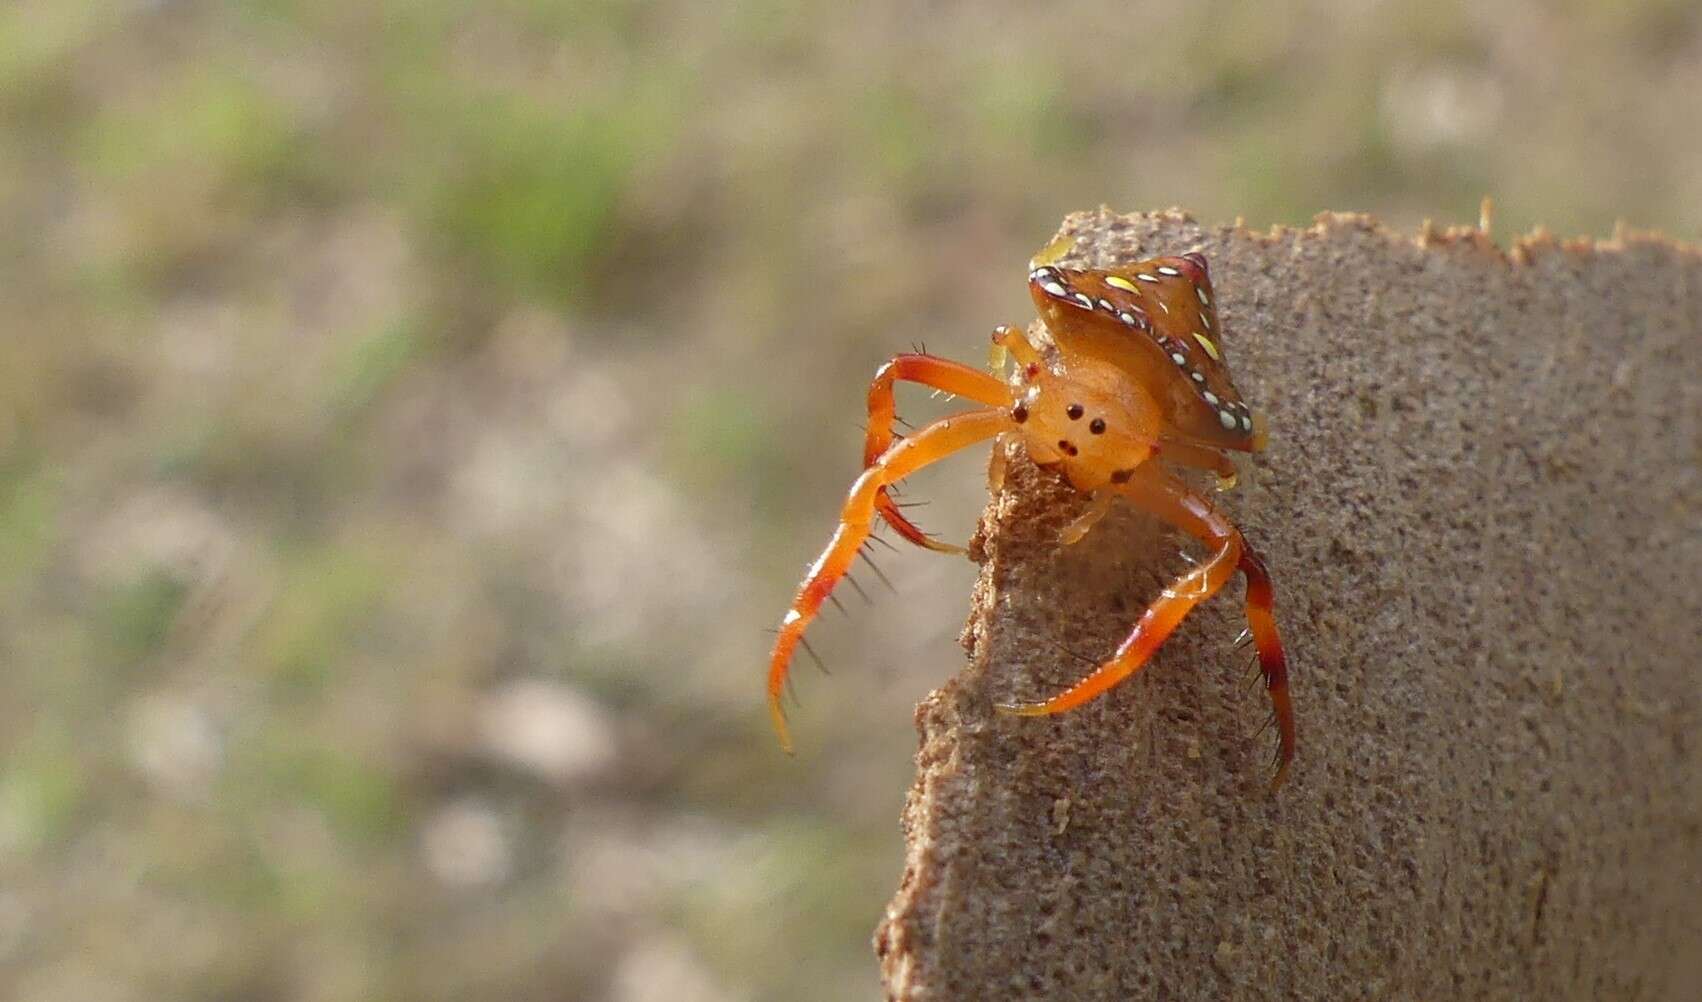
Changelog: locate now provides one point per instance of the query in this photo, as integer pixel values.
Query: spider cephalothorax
(1138, 380)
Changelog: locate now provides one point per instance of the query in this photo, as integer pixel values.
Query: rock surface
(1482, 507)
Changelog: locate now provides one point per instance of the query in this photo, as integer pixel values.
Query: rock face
(1482, 508)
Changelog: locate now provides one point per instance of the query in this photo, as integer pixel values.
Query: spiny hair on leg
(870, 559)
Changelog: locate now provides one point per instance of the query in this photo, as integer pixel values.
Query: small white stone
(175, 745)
(464, 846)
(548, 729)
(663, 969)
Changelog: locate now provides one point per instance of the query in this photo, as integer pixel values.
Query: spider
(1138, 381)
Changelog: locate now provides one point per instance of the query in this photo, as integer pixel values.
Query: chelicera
(1137, 385)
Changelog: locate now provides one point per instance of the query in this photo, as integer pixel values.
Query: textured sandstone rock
(1482, 506)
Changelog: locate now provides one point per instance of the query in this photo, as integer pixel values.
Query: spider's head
(1090, 420)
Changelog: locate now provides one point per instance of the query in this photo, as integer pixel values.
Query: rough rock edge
(907, 940)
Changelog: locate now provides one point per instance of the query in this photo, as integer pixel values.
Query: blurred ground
(412, 414)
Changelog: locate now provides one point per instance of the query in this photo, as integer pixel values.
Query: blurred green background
(412, 415)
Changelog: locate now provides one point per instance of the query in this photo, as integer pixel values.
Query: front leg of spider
(928, 445)
(941, 374)
(946, 376)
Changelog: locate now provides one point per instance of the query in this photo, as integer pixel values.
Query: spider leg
(1167, 497)
(1273, 663)
(941, 374)
(928, 445)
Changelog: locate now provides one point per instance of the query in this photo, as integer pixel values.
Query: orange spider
(1138, 374)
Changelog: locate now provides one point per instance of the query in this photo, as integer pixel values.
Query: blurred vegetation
(413, 412)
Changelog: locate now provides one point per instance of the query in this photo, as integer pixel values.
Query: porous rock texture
(1482, 509)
